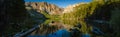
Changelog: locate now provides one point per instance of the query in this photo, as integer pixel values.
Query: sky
(60, 3)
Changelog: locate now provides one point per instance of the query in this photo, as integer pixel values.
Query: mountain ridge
(44, 6)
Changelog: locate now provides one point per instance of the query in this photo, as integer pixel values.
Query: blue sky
(60, 3)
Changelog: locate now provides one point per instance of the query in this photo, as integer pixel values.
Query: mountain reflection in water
(61, 32)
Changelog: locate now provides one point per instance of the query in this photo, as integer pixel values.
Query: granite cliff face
(44, 6)
(51, 8)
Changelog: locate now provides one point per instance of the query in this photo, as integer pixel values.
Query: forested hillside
(106, 11)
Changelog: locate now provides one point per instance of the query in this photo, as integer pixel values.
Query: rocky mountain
(51, 8)
(44, 6)
(71, 8)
